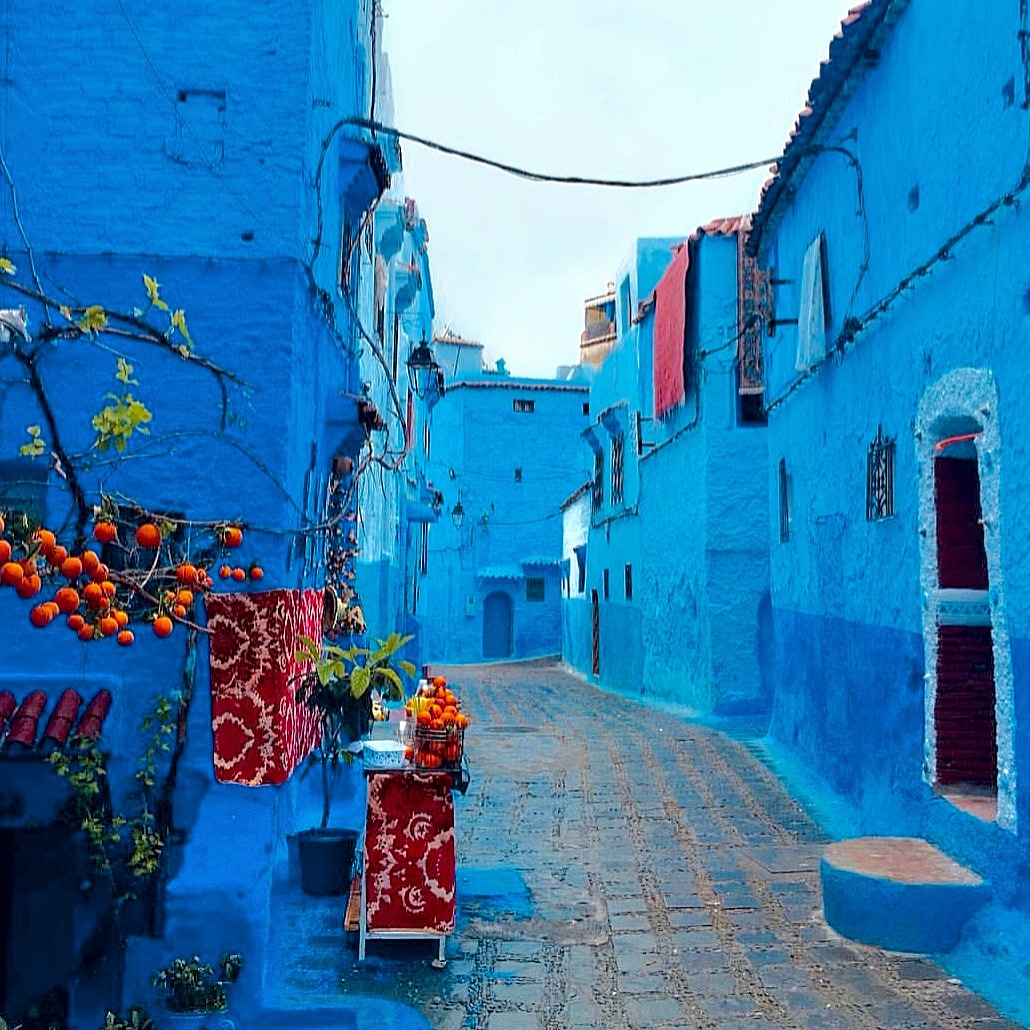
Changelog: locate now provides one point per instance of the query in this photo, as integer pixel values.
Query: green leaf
(153, 286)
(360, 679)
(124, 373)
(7, 266)
(93, 319)
(179, 322)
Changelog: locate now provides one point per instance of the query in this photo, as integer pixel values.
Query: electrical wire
(565, 180)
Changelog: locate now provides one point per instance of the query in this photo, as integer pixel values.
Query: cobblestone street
(621, 868)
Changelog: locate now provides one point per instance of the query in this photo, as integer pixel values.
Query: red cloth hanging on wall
(261, 732)
(670, 320)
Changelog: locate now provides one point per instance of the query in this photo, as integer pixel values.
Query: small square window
(606, 585)
(534, 588)
(518, 475)
(629, 582)
(586, 407)
(522, 404)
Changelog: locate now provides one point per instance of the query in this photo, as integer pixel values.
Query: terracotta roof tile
(23, 721)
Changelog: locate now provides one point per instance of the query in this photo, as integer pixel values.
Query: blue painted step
(900, 893)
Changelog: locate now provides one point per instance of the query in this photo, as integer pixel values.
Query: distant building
(598, 336)
(504, 455)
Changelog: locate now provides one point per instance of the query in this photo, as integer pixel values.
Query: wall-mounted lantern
(423, 371)
(458, 513)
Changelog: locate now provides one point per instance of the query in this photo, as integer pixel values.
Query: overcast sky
(606, 88)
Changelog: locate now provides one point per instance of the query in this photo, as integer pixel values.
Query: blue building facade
(209, 150)
(503, 452)
(674, 562)
(894, 382)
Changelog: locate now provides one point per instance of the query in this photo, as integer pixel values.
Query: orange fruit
(256, 572)
(121, 617)
(461, 720)
(29, 586)
(40, 617)
(232, 536)
(90, 560)
(46, 540)
(186, 573)
(76, 622)
(94, 594)
(57, 556)
(71, 567)
(108, 588)
(3, 525)
(105, 532)
(67, 599)
(85, 631)
(100, 573)
(5, 552)
(184, 597)
(163, 626)
(148, 535)
(11, 574)
(108, 625)
(125, 637)
(179, 611)
(224, 572)
(239, 575)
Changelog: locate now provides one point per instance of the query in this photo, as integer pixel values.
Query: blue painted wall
(200, 146)
(512, 531)
(853, 599)
(691, 524)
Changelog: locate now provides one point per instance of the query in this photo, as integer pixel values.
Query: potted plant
(193, 988)
(339, 688)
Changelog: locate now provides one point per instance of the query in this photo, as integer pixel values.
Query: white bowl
(383, 754)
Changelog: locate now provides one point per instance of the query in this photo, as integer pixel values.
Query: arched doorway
(969, 703)
(498, 625)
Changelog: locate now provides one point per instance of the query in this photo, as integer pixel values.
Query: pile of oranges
(94, 601)
(439, 726)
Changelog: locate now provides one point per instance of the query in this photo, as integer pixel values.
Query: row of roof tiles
(68, 719)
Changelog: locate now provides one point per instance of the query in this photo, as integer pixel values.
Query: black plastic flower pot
(326, 860)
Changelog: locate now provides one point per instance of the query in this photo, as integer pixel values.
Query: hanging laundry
(670, 320)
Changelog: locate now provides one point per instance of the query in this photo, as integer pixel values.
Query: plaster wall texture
(850, 597)
(513, 527)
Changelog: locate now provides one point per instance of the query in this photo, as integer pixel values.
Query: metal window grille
(423, 560)
(879, 478)
(618, 452)
(629, 582)
(597, 492)
(534, 589)
(522, 404)
(784, 495)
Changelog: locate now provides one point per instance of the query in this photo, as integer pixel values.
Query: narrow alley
(620, 868)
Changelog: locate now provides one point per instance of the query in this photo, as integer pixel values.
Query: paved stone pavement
(621, 869)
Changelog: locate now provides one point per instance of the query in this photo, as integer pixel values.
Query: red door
(964, 712)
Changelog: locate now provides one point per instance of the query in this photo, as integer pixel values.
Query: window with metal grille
(629, 582)
(534, 588)
(605, 580)
(597, 491)
(586, 407)
(618, 451)
(522, 404)
(518, 475)
(879, 477)
(426, 437)
(783, 481)
(423, 558)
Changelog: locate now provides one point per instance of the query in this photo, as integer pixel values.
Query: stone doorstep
(900, 893)
(903, 859)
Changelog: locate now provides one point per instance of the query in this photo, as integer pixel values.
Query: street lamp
(423, 371)
(458, 514)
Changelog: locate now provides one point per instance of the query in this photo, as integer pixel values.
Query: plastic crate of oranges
(439, 726)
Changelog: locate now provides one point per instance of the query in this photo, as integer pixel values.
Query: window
(618, 451)
(581, 560)
(586, 407)
(597, 492)
(524, 405)
(423, 558)
(606, 584)
(629, 582)
(518, 475)
(396, 343)
(783, 481)
(879, 478)
(426, 437)
(534, 588)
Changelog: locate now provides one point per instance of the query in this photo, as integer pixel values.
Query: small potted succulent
(339, 688)
(193, 988)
